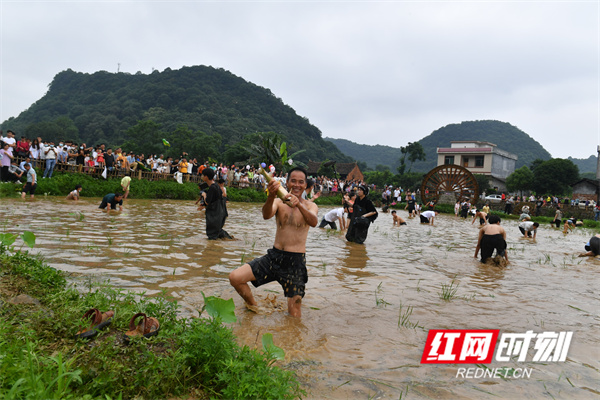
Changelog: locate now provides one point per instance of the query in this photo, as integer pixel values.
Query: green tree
(411, 180)
(270, 149)
(380, 178)
(326, 169)
(60, 129)
(536, 163)
(414, 151)
(521, 180)
(145, 137)
(381, 168)
(362, 166)
(483, 181)
(555, 176)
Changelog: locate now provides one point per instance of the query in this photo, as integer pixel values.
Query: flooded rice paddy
(367, 308)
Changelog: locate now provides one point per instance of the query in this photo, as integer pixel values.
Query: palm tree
(270, 149)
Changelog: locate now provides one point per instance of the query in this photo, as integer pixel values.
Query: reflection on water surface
(348, 343)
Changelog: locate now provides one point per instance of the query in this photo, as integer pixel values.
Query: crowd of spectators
(48, 156)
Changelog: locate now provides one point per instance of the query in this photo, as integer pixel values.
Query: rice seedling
(404, 317)
(403, 393)
(109, 238)
(549, 394)
(449, 291)
(380, 301)
(469, 297)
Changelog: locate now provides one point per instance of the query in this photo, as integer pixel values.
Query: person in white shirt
(528, 228)
(31, 182)
(337, 214)
(51, 155)
(10, 141)
(428, 216)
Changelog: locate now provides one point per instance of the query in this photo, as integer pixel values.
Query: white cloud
(371, 72)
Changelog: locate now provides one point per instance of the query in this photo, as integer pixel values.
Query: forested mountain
(202, 110)
(585, 165)
(504, 135)
(371, 155)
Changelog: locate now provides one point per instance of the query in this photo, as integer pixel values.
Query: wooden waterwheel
(451, 179)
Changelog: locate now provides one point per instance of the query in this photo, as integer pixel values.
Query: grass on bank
(62, 183)
(197, 358)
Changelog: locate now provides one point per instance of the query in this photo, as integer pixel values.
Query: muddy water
(348, 343)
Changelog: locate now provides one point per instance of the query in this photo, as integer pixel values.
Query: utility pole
(118, 67)
(598, 164)
(598, 176)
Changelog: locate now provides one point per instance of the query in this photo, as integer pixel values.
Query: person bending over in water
(569, 224)
(112, 199)
(592, 247)
(526, 227)
(397, 219)
(428, 216)
(482, 217)
(337, 214)
(491, 236)
(74, 195)
(286, 261)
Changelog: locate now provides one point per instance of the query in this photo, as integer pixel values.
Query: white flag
(104, 173)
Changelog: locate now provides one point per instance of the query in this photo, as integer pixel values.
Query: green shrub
(40, 358)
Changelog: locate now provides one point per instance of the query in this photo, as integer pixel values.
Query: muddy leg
(295, 306)
(239, 279)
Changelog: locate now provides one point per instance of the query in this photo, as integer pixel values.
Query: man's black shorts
(103, 205)
(29, 188)
(289, 269)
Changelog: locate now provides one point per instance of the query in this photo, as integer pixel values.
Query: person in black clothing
(216, 210)
(363, 214)
(113, 200)
(410, 206)
(109, 160)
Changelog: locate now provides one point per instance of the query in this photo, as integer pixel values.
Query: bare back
(493, 229)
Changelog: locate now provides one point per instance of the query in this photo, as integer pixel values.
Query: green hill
(201, 108)
(504, 135)
(585, 165)
(371, 155)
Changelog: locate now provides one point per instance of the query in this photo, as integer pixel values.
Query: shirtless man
(482, 217)
(397, 220)
(285, 262)
(491, 236)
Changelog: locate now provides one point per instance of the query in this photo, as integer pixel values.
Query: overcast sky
(374, 72)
